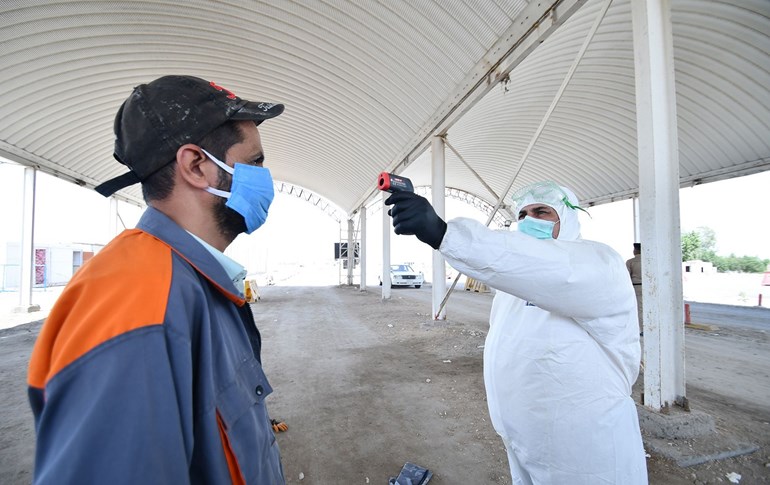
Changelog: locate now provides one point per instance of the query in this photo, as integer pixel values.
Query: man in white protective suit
(563, 348)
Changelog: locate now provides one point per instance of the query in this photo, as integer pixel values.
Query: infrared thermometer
(390, 182)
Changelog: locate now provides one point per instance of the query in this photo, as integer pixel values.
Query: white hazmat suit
(562, 352)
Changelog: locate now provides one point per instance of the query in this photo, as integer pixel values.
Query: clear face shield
(545, 192)
(561, 199)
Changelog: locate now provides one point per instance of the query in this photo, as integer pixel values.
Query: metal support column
(362, 255)
(637, 231)
(113, 226)
(351, 252)
(27, 274)
(664, 382)
(386, 230)
(637, 238)
(438, 185)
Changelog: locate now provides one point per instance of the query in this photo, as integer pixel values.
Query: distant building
(697, 266)
(54, 264)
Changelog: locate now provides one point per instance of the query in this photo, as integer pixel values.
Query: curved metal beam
(311, 197)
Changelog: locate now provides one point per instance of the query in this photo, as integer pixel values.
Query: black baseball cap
(167, 113)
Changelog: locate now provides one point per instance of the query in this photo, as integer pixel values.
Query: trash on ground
(411, 474)
(734, 477)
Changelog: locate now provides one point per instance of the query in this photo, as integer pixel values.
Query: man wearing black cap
(148, 368)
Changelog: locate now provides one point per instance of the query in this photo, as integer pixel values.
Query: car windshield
(400, 267)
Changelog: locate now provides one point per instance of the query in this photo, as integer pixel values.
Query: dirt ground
(366, 385)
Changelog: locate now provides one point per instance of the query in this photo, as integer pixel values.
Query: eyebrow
(536, 208)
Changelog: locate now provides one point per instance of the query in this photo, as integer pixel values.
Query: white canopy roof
(366, 83)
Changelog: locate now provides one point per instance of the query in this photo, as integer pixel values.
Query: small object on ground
(301, 476)
(279, 426)
(412, 474)
(734, 477)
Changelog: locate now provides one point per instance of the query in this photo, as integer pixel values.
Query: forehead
(536, 207)
(249, 131)
(251, 140)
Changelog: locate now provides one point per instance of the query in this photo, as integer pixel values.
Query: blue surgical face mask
(538, 228)
(251, 192)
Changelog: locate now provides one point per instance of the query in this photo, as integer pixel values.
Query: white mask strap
(223, 166)
(221, 193)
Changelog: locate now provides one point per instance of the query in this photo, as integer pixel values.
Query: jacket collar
(161, 226)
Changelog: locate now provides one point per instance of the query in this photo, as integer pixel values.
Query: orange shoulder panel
(123, 288)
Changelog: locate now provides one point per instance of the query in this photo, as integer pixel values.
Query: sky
(297, 232)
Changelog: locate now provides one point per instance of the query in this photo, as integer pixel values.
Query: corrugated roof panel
(590, 139)
(360, 78)
(723, 62)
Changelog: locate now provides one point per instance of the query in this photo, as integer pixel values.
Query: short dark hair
(222, 138)
(159, 185)
(637, 246)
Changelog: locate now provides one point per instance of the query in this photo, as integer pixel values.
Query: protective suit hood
(552, 195)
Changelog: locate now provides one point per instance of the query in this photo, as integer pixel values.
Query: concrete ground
(366, 385)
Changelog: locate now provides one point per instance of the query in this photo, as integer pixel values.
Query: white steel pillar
(113, 220)
(664, 382)
(438, 184)
(637, 231)
(362, 255)
(385, 271)
(637, 238)
(27, 272)
(351, 252)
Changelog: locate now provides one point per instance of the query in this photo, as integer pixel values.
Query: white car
(404, 275)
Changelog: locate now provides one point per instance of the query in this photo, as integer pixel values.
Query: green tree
(720, 263)
(701, 244)
(752, 264)
(708, 243)
(690, 245)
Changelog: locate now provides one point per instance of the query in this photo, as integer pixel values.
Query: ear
(192, 168)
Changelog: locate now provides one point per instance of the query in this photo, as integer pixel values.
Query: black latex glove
(413, 214)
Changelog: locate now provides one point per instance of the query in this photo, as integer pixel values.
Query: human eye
(258, 161)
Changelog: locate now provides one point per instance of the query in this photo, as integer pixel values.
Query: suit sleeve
(577, 279)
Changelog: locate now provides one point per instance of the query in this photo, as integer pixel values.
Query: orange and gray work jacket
(148, 370)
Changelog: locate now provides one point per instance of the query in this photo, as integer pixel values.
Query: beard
(229, 222)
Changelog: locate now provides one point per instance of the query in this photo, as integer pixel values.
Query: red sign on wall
(40, 260)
